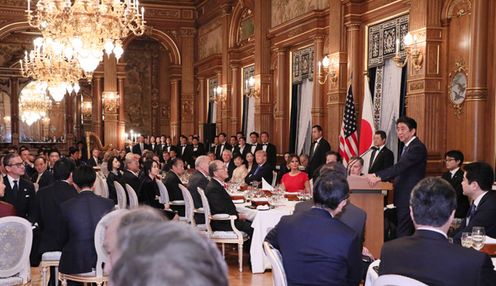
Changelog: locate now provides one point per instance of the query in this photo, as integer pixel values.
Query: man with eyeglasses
(454, 176)
(18, 191)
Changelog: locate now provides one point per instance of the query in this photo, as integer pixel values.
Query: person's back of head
(333, 167)
(63, 168)
(168, 254)
(432, 202)
(84, 177)
(330, 190)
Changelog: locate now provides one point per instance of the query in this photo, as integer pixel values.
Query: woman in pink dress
(295, 180)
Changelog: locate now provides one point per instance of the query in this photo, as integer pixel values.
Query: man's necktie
(15, 190)
(471, 213)
(405, 149)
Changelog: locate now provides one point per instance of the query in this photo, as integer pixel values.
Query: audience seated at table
(317, 248)
(477, 183)
(262, 170)
(114, 174)
(427, 255)
(295, 180)
(172, 181)
(78, 220)
(220, 202)
(239, 174)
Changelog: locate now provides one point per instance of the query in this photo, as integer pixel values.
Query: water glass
(466, 239)
(478, 237)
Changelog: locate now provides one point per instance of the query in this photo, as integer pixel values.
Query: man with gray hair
(199, 179)
(227, 159)
(131, 175)
(427, 255)
(166, 254)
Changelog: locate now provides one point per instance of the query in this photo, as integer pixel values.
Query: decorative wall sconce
(412, 51)
(220, 96)
(86, 108)
(251, 87)
(110, 100)
(328, 69)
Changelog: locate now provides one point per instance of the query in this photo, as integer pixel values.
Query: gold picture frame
(457, 87)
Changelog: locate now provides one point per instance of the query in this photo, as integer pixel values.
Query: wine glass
(478, 237)
(466, 239)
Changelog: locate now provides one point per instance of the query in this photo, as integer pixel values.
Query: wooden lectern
(371, 200)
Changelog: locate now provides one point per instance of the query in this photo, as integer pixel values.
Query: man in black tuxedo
(129, 147)
(477, 183)
(48, 201)
(168, 145)
(221, 203)
(317, 248)
(197, 149)
(223, 145)
(199, 179)
(140, 146)
(381, 157)
(42, 176)
(242, 149)
(254, 145)
(318, 149)
(427, 255)
(184, 151)
(95, 160)
(229, 162)
(78, 219)
(53, 156)
(454, 176)
(28, 165)
(269, 148)
(153, 146)
(131, 175)
(172, 181)
(19, 192)
(75, 155)
(261, 170)
(407, 172)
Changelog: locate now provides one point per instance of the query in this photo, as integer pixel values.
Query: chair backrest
(189, 207)
(164, 195)
(133, 198)
(101, 188)
(206, 208)
(274, 178)
(397, 280)
(121, 195)
(102, 256)
(105, 189)
(16, 238)
(275, 258)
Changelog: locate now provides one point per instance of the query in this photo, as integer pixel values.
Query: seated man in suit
(477, 183)
(427, 255)
(263, 169)
(220, 202)
(172, 181)
(228, 161)
(95, 160)
(317, 248)
(454, 176)
(28, 165)
(48, 201)
(131, 175)
(78, 219)
(41, 176)
(199, 179)
(53, 156)
(381, 157)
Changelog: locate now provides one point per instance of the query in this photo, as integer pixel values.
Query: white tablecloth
(262, 223)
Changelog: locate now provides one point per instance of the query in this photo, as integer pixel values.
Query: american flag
(348, 137)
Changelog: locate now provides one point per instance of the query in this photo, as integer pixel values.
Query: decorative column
(221, 124)
(282, 94)
(317, 109)
(97, 106)
(14, 92)
(187, 80)
(336, 93)
(477, 91)
(122, 117)
(234, 100)
(69, 119)
(175, 110)
(201, 106)
(226, 77)
(263, 78)
(110, 101)
(77, 116)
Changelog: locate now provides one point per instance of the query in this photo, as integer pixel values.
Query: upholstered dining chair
(49, 259)
(189, 207)
(16, 238)
(133, 198)
(121, 195)
(230, 237)
(275, 258)
(397, 280)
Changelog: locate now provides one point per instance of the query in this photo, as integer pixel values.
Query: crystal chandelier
(88, 27)
(33, 103)
(49, 62)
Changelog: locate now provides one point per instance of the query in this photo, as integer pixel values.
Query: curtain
(303, 141)
(390, 103)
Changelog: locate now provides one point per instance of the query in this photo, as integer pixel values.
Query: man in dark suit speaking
(407, 172)
(427, 255)
(319, 148)
(381, 157)
(316, 247)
